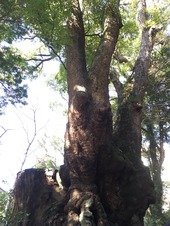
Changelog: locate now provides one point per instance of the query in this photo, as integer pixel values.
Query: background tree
(103, 175)
(156, 121)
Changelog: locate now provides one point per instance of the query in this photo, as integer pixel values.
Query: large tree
(104, 180)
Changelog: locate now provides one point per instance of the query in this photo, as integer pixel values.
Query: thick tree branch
(76, 69)
(111, 26)
(141, 13)
(142, 64)
(120, 58)
(92, 35)
(114, 77)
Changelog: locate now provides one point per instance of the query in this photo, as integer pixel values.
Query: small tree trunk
(156, 156)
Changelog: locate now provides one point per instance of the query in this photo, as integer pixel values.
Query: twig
(58, 56)
(5, 130)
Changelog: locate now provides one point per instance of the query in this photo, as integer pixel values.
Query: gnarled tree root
(85, 209)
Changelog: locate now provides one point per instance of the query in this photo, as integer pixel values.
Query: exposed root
(85, 209)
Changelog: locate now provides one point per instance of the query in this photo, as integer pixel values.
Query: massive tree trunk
(88, 149)
(104, 180)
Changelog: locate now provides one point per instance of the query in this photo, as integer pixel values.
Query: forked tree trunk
(104, 180)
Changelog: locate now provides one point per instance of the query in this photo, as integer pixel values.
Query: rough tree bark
(156, 158)
(104, 180)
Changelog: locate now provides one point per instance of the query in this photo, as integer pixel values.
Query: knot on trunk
(81, 101)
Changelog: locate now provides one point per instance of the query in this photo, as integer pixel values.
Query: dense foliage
(14, 68)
